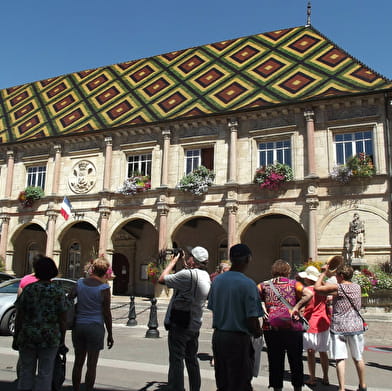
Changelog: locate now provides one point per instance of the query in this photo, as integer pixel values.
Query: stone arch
(265, 235)
(21, 240)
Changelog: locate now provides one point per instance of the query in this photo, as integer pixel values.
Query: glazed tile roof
(285, 66)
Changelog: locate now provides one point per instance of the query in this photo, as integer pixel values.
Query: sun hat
(311, 273)
(200, 254)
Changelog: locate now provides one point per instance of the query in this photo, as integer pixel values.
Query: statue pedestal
(358, 263)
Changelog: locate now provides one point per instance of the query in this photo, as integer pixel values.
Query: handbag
(284, 320)
(180, 313)
(364, 324)
(59, 368)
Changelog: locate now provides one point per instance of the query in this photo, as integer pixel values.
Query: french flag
(66, 208)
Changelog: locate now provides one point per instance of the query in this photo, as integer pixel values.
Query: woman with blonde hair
(92, 314)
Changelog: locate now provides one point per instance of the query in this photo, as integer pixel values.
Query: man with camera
(184, 315)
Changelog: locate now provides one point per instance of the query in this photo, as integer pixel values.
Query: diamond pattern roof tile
(279, 67)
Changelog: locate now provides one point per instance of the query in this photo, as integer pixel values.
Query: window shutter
(207, 158)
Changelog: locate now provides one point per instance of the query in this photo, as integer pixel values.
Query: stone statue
(355, 240)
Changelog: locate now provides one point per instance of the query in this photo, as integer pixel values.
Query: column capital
(10, 154)
(166, 133)
(52, 215)
(5, 218)
(162, 208)
(57, 148)
(309, 115)
(108, 140)
(232, 123)
(104, 211)
(231, 206)
(312, 202)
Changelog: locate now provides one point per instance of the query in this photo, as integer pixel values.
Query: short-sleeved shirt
(317, 314)
(233, 299)
(26, 280)
(191, 287)
(345, 319)
(41, 304)
(291, 290)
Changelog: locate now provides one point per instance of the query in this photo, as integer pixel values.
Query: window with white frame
(139, 164)
(36, 176)
(271, 152)
(195, 158)
(351, 144)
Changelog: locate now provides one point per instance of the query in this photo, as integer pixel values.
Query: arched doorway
(28, 242)
(79, 245)
(135, 244)
(205, 232)
(270, 238)
(120, 266)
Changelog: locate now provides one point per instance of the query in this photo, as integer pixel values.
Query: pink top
(26, 280)
(316, 313)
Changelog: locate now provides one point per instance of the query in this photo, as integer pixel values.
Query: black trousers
(233, 360)
(278, 343)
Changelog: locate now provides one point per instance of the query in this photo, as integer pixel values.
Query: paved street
(137, 363)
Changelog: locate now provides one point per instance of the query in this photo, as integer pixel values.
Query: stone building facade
(232, 106)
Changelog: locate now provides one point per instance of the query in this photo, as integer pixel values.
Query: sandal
(325, 382)
(311, 383)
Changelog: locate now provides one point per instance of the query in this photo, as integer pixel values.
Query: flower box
(198, 181)
(272, 176)
(358, 166)
(135, 184)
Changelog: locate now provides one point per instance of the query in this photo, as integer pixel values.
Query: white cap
(200, 254)
(311, 273)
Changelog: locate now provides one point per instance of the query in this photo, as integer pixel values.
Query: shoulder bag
(180, 313)
(302, 320)
(365, 325)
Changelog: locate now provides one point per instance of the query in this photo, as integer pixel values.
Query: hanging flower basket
(272, 176)
(29, 195)
(360, 166)
(198, 181)
(135, 184)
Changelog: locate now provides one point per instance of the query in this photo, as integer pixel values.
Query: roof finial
(309, 12)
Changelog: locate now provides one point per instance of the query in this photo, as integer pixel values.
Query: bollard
(132, 313)
(152, 331)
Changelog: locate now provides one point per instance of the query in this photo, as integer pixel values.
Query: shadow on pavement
(380, 366)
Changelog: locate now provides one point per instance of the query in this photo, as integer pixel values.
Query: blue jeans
(29, 359)
(183, 345)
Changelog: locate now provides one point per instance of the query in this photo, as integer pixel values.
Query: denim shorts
(88, 337)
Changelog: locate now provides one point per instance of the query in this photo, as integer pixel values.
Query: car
(5, 277)
(8, 294)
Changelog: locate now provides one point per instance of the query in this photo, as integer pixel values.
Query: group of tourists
(316, 315)
(320, 314)
(41, 324)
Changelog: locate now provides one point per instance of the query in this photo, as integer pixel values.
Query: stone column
(165, 157)
(312, 201)
(5, 219)
(10, 173)
(52, 216)
(309, 116)
(163, 210)
(108, 163)
(104, 212)
(233, 126)
(56, 170)
(231, 208)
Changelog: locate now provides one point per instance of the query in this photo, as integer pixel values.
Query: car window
(9, 286)
(67, 285)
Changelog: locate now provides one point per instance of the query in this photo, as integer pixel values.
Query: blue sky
(47, 38)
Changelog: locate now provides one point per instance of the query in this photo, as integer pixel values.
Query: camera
(175, 252)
